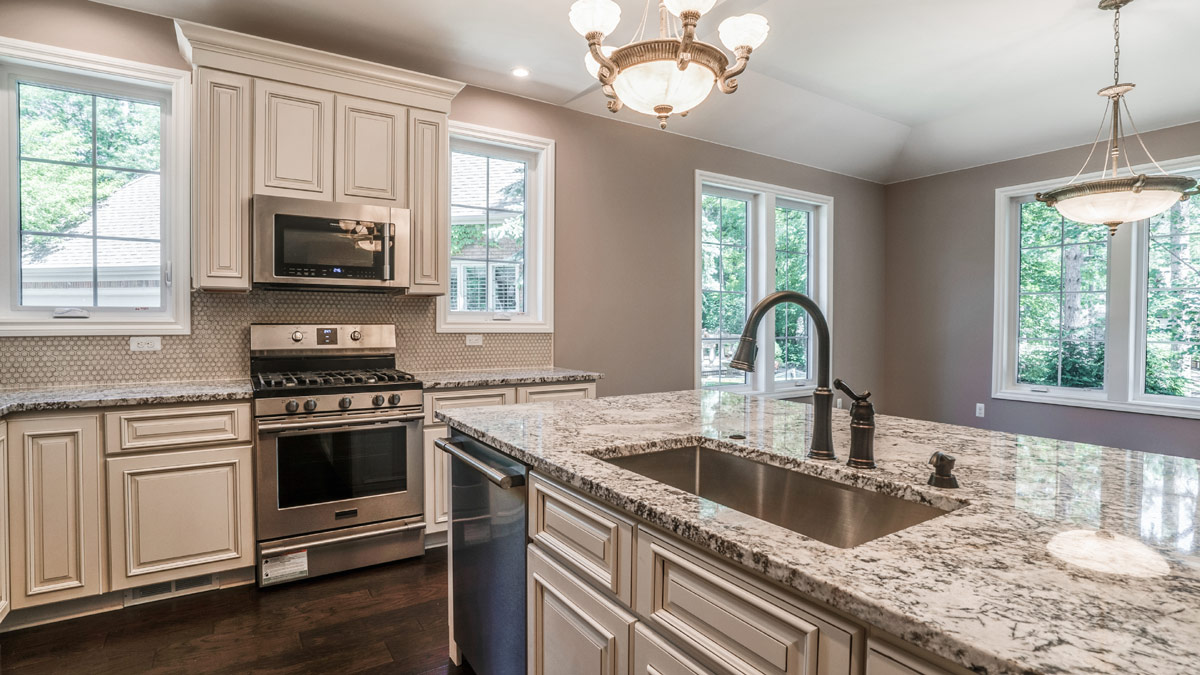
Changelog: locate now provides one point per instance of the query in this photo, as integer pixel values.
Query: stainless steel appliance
(488, 502)
(315, 244)
(338, 458)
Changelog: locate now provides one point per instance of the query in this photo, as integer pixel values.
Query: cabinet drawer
(465, 399)
(143, 429)
(568, 391)
(653, 656)
(571, 628)
(885, 659)
(737, 622)
(593, 540)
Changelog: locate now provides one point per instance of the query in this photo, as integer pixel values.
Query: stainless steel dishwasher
(488, 503)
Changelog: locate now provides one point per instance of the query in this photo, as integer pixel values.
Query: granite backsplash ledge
(218, 347)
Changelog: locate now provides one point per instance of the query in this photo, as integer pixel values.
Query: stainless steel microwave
(310, 243)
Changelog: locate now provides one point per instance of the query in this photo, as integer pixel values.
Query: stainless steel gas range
(338, 458)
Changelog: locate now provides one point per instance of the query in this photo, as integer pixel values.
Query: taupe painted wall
(939, 281)
(625, 244)
(89, 27)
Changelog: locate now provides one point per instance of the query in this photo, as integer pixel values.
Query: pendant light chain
(1117, 47)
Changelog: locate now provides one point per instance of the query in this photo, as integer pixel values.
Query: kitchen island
(977, 586)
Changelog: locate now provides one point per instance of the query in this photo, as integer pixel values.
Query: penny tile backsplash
(218, 347)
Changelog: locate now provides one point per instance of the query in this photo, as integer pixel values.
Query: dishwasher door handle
(500, 478)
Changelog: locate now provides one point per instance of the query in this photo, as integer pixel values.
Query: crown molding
(222, 49)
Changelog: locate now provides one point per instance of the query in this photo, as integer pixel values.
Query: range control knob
(394, 399)
(297, 336)
(378, 399)
(310, 405)
(346, 402)
(291, 406)
(355, 335)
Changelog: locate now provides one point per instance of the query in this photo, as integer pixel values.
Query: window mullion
(95, 216)
(1120, 357)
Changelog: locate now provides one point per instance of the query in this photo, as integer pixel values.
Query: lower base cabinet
(572, 628)
(652, 655)
(180, 513)
(886, 659)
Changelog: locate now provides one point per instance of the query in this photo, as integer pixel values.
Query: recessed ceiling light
(520, 72)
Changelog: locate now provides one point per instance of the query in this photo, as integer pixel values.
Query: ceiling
(877, 89)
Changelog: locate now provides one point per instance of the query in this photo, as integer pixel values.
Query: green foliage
(1173, 303)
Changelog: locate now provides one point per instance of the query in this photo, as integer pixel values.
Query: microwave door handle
(386, 246)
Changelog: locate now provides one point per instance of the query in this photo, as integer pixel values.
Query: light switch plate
(143, 343)
(474, 340)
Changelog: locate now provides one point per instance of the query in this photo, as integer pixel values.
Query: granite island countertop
(104, 395)
(489, 377)
(977, 585)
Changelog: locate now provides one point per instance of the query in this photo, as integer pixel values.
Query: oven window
(327, 467)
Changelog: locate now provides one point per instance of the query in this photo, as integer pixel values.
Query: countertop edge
(104, 396)
(443, 380)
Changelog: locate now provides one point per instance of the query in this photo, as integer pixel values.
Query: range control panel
(279, 337)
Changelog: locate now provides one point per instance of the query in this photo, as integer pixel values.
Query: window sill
(1095, 402)
(469, 326)
(85, 327)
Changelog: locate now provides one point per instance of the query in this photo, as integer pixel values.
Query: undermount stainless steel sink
(833, 513)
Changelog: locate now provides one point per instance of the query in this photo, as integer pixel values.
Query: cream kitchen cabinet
(563, 391)
(5, 594)
(429, 201)
(222, 181)
(571, 628)
(180, 513)
(886, 659)
(293, 140)
(370, 139)
(55, 501)
(652, 655)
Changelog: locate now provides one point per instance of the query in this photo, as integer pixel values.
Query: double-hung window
(1090, 320)
(755, 239)
(97, 214)
(501, 233)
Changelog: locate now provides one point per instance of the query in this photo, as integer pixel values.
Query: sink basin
(833, 513)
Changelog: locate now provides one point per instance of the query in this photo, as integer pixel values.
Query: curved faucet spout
(743, 359)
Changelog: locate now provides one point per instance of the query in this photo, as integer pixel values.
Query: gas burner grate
(335, 378)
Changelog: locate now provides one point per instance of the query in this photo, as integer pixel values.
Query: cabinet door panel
(437, 463)
(293, 129)
(371, 160)
(180, 514)
(885, 659)
(571, 391)
(55, 509)
(571, 628)
(652, 655)
(429, 201)
(222, 181)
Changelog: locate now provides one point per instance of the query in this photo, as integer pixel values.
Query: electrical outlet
(979, 410)
(839, 403)
(141, 343)
(474, 340)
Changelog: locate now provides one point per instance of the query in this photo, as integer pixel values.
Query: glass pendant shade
(1105, 208)
(747, 30)
(655, 83)
(678, 7)
(590, 16)
(589, 61)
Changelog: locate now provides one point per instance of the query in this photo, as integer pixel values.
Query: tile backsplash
(218, 347)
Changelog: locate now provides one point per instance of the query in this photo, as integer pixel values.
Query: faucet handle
(943, 470)
(846, 388)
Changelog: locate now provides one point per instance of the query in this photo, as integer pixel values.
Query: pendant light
(1114, 198)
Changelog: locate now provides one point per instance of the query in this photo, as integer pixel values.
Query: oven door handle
(339, 424)
(500, 478)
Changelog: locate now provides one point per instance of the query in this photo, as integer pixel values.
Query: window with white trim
(501, 214)
(755, 239)
(91, 166)
(1090, 320)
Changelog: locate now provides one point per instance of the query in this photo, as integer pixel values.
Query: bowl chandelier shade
(1113, 198)
(672, 73)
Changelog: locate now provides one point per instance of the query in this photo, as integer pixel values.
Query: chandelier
(1113, 199)
(670, 74)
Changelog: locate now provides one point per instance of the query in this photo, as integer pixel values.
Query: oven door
(321, 474)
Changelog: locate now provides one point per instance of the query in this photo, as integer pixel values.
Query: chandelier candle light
(670, 74)
(1112, 199)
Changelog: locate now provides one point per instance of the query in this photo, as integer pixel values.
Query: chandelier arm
(727, 81)
(1138, 135)
(1096, 142)
(689, 18)
(608, 69)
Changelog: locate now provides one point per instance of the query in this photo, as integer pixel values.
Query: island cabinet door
(369, 138)
(55, 509)
(886, 659)
(572, 628)
(652, 655)
(179, 514)
(293, 141)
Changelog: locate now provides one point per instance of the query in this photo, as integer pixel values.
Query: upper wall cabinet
(283, 120)
(293, 141)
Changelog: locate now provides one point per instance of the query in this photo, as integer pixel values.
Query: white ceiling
(878, 89)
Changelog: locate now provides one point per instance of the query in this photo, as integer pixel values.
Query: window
(1090, 320)
(501, 232)
(755, 239)
(98, 216)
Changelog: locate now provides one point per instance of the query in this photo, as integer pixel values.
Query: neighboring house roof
(132, 211)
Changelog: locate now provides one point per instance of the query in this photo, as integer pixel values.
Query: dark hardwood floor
(384, 619)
